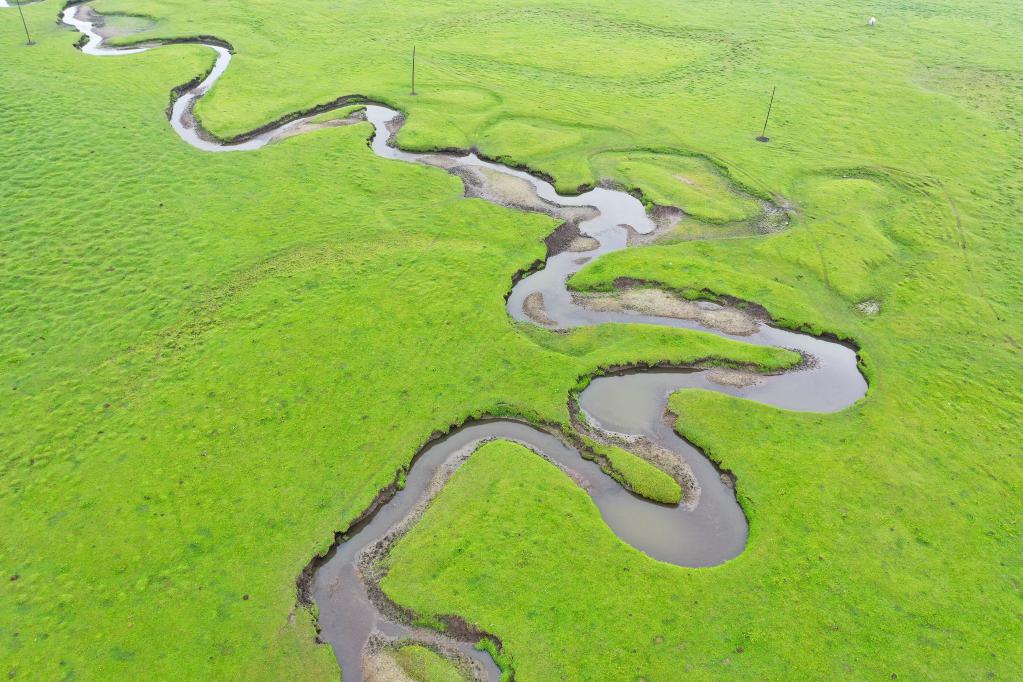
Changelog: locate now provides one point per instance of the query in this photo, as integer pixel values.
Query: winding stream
(706, 530)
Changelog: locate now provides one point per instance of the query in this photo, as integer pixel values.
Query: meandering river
(707, 529)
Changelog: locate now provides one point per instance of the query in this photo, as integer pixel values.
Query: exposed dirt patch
(734, 377)
(439, 160)
(393, 126)
(502, 188)
(562, 238)
(113, 25)
(869, 307)
(515, 192)
(381, 667)
(583, 243)
(534, 308)
(663, 304)
(774, 217)
(665, 219)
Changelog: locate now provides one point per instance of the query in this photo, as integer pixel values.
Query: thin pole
(25, 24)
(763, 135)
(413, 69)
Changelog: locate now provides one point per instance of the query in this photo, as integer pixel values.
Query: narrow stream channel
(705, 533)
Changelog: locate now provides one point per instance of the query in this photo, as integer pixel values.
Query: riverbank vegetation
(211, 362)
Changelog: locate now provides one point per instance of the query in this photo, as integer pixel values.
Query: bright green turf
(678, 181)
(275, 333)
(640, 476)
(213, 362)
(589, 593)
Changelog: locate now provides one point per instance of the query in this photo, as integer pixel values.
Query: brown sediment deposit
(665, 218)
(380, 666)
(496, 187)
(534, 307)
(734, 377)
(109, 29)
(660, 303)
(582, 244)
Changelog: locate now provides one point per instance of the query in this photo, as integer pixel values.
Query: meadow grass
(671, 180)
(638, 475)
(213, 362)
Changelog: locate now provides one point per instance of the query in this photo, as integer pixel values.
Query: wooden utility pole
(413, 69)
(28, 38)
(763, 134)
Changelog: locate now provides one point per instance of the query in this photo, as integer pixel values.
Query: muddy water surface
(708, 530)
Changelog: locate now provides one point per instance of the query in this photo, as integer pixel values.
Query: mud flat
(659, 303)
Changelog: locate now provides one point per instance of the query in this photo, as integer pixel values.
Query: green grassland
(211, 362)
(672, 180)
(638, 475)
